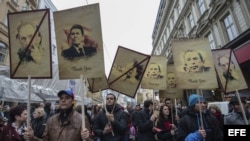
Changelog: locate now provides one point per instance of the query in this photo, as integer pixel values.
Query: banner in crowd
(178, 94)
(139, 98)
(96, 97)
(79, 42)
(194, 65)
(97, 84)
(155, 74)
(171, 77)
(228, 70)
(127, 71)
(30, 47)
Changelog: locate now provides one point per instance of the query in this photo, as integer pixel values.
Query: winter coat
(119, 125)
(189, 125)
(38, 126)
(70, 130)
(234, 118)
(9, 133)
(145, 126)
(164, 134)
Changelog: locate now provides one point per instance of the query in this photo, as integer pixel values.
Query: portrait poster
(178, 94)
(139, 98)
(79, 42)
(148, 96)
(127, 71)
(155, 74)
(30, 47)
(97, 84)
(194, 64)
(96, 97)
(228, 70)
(172, 86)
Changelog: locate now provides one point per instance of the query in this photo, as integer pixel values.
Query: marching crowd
(111, 122)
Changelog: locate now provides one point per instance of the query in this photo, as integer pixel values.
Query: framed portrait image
(30, 44)
(228, 70)
(96, 97)
(155, 74)
(194, 65)
(79, 42)
(127, 71)
(177, 94)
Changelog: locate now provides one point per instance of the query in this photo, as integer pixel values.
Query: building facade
(226, 24)
(45, 4)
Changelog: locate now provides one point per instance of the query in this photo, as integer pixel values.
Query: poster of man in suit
(194, 65)
(79, 42)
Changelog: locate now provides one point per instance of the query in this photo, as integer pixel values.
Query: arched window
(3, 50)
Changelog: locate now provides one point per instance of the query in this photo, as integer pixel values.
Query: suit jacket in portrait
(72, 52)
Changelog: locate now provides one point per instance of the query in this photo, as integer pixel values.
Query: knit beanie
(193, 99)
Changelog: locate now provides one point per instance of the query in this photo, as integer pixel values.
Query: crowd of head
(149, 121)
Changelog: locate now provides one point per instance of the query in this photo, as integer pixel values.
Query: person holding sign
(236, 116)
(64, 126)
(164, 124)
(111, 123)
(198, 123)
(146, 120)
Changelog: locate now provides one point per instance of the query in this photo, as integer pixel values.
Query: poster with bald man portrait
(194, 65)
(30, 48)
(79, 42)
(155, 74)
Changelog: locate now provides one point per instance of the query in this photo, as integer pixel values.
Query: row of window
(227, 24)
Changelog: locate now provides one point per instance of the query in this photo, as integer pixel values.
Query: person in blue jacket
(198, 124)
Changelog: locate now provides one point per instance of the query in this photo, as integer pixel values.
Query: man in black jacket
(146, 121)
(110, 123)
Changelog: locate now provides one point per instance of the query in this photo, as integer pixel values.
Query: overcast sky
(128, 23)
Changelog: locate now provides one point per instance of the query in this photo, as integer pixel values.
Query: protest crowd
(112, 122)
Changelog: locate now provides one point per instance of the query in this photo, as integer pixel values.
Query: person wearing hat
(64, 126)
(235, 117)
(198, 124)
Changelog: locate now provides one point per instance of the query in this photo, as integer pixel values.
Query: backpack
(132, 132)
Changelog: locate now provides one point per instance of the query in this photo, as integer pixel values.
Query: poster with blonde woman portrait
(30, 48)
(79, 42)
